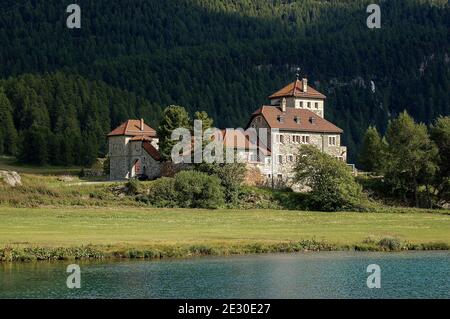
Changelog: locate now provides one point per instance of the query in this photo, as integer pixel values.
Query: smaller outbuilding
(133, 151)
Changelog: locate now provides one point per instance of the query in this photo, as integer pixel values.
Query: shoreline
(10, 254)
(132, 233)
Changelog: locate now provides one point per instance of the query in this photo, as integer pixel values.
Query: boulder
(11, 178)
(65, 178)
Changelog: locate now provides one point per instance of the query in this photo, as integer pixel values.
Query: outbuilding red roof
(295, 120)
(239, 140)
(151, 150)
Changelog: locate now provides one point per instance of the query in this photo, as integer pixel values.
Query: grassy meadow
(52, 186)
(53, 233)
(50, 217)
(148, 226)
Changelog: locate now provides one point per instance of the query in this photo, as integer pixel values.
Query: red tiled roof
(295, 89)
(309, 121)
(151, 150)
(133, 128)
(240, 140)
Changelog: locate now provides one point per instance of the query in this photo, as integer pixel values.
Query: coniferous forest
(62, 90)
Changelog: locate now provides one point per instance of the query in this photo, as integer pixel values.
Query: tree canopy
(332, 185)
(223, 57)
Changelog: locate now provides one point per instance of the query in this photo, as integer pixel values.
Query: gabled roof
(133, 128)
(239, 140)
(151, 150)
(308, 120)
(295, 89)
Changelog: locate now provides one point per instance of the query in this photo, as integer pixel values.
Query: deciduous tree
(332, 184)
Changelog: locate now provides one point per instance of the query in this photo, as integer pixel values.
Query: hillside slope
(226, 57)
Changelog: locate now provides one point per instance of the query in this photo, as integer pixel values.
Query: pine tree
(373, 151)
(206, 121)
(8, 133)
(174, 117)
(440, 134)
(34, 146)
(411, 158)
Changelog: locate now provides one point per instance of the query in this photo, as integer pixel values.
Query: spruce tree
(373, 151)
(174, 117)
(8, 133)
(440, 134)
(411, 158)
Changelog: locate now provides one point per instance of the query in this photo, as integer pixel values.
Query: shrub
(132, 187)
(106, 165)
(231, 176)
(198, 190)
(435, 246)
(162, 193)
(250, 197)
(188, 189)
(333, 187)
(390, 243)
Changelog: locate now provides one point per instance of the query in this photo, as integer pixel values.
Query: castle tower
(300, 95)
(133, 151)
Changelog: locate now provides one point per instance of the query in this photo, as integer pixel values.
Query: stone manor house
(295, 116)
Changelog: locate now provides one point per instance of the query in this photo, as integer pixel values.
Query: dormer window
(312, 120)
(297, 119)
(280, 119)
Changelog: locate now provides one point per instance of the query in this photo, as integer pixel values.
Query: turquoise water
(304, 275)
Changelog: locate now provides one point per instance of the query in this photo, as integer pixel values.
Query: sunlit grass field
(49, 212)
(141, 227)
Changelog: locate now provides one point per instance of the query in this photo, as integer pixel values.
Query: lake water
(303, 275)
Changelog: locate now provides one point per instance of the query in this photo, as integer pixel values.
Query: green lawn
(136, 227)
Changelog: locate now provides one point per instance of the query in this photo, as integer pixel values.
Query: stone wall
(260, 122)
(124, 153)
(315, 105)
(281, 173)
(152, 168)
(118, 167)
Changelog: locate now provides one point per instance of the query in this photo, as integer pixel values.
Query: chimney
(305, 85)
(142, 125)
(283, 104)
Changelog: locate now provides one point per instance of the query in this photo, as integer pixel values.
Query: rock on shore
(11, 178)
